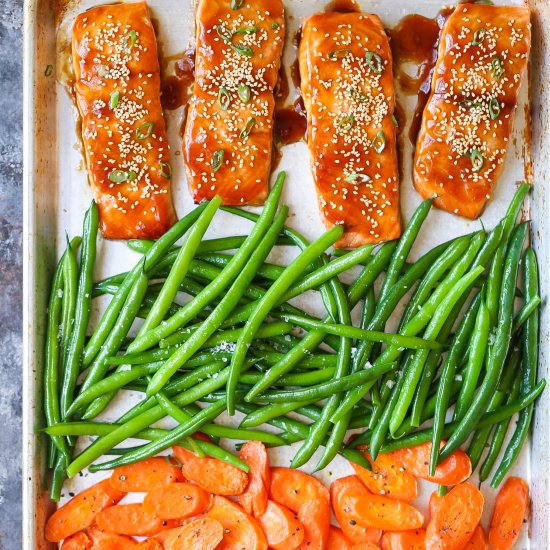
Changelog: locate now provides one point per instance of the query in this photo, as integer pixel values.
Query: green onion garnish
(242, 49)
(338, 54)
(374, 61)
(224, 99)
(165, 169)
(346, 124)
(224, 33)
(49, 70)
(130, 41)
(470, 103)
(113, 100)
(356, 178)
(217, 160)
(236, 4)
(131, 175)
(246, 30)
(357, 95)
(247, 128)
(477, 160)
(102, 71)
(243, 91)
(494, 108)
(497, 67)
(379, 142)
(479, 36)
(394, 121)
(145, 130)
(275, 25)
(120, 176)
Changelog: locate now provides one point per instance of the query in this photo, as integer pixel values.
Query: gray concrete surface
(10, 272)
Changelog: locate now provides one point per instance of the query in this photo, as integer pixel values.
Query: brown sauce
(176, 87)
(342, 6)
(290, 123)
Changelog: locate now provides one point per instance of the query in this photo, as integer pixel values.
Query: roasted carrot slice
(337, 540)
(149, 544)
(254, 499)
(388, 477)
(308, 498)
(240, 530)
(365, 546)
(176, 500)
(404, 540)
(213, 475)
(105, 540)
(416, 460)
(283, 530)
(81, 511)
(478, 540)
(144, 476)
(510, 509)
(132, 520)
(456, 516)
(354, 505)
(199, 534)
(78, 541)
(433, 505)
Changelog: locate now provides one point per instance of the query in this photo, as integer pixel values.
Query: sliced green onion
(497, 67)
(131, 175)
(118, 176)
(356, 178)
(379, 142)
(243, 92)
(470, 103)
(102, 71)
(346, 124)
(374, 61)
(224, 33)
(479, 36)
(49, 70)
(217, 160)
(236, 4)
(165, 170)
(145, 130)
(242, 49)
(247, 128)
(246, 30)
(275, 25)
(494, 108)
(113, 100)
(130, 41)
(394, 121)
(357, 95)
(338, 54)
(477, 160)
(224, 99)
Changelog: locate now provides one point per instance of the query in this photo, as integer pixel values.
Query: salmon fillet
(467, 122)
(347, 87)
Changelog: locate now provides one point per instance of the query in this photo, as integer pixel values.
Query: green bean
(525, 312)
(82, 308)
(264, 414)
(266, 304)
(295, 379)
(500, 347)
(494, 284)
(223, 309)
(513, 210)
(218, 285)
(529, 368)
(478, 348)
(180, 267)
(70, 288)
(58, 478)
(266, 270)
(109, 317)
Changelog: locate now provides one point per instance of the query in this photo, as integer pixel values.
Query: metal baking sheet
(56, 195)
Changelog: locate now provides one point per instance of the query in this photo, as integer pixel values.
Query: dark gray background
(11, 208)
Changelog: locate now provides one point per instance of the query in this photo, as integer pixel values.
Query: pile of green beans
(219, 335)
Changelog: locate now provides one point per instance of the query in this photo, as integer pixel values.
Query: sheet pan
(56, 195)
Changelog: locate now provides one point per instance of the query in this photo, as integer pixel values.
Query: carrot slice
(404, 540)
(388, 477)
(433, 504)
(307, 497)
(176, 500)
(365, 546)
(142, 477)
(78, 541)
(199, 534)
(510, 509)
(478, 540)
(337, 540)
(354, 505)
(213, 475)
(416, 460)
(149, 544)
(81, 511)
(132, 520)
(254, 499)
(104, 540)
(456, 516)
(282, 528)
(240, 530)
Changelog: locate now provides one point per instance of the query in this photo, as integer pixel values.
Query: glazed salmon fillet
(467, 122)
(347, 88)
(228, 134)
(117, 89)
